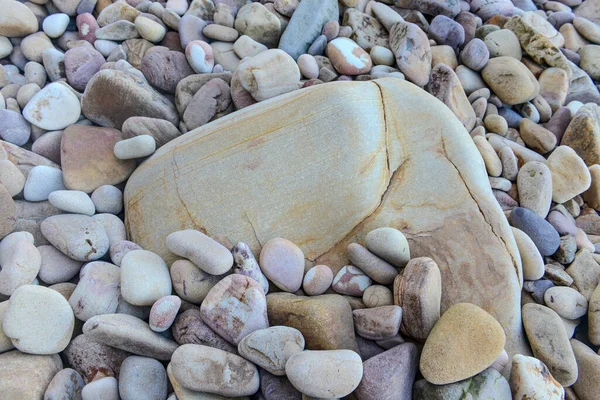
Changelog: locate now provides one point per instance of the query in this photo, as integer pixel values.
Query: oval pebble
(135, 147)
(317, 280)
(204, 252)
(283, 263)
(144, 278)
(351, 280)
(72, 201)
(163, 313)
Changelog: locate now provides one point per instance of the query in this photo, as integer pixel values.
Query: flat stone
(585, 272)
(38, 320)
(419, 292)
(326, 322)
(211, 101)
(391, 373)
(52, 108)
(88, 160)
(130, 334)
(27, 375)
(529, 377)
(156, 198)
(464, 342)
(235, 307)
(72, 201)
(209, 370)
(549, 342)
(81, 63)
(77, 236)
(570, 176)
(306, 25)
(583, 134)
(137, 99)
(377, 269)
(272, 347)
(41, 181)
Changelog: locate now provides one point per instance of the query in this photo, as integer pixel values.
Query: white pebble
(199, 55)
(73, 201)
(55, 25)
(42, 181)
(105, 47)
(108, 199)
(5, 47)
(136, 147)
(574, 106)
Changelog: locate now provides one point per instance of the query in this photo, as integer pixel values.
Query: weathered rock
(412, 50)
(136, 98)
(26, 375)
(161, 130)
(189, 328)
(52, 108)
(428, 168)
(89, 357)
(367, 31)
(377, 323)
(67, 383)
(510, 80)
(257, 22)
(585, 272)
(326, 322)
(97, 291)
(164, 69)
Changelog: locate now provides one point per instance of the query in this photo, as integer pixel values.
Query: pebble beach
(300, 199)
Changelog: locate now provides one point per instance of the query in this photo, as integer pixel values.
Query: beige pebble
(533, 263)
(204, 252)
(377, 296)
(570, 175)
(496, 124)
(317, 280)
(21, 263)
(390, 245)
(144, 278)
(492, 162)
(534, 184)
(536, 137)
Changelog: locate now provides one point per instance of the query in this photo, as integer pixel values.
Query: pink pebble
(163, 313)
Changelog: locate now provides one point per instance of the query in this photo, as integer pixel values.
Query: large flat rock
(322, 167)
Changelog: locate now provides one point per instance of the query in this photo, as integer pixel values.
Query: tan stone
(464, 342)
(418, 291)
(510, 80)
(436, 186)
(325, 321)
(583, 134)
(587, 386)
(88, 159)
(16, 19)
(24, 160)
(570, 176)
(26, 376)
(592, 195)
(8, 212)
(537, 46)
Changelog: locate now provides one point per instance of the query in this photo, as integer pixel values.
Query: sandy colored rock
(26, 376)
(510, 80)
(549, 342)
(17, 20)
(530, 378)
(464, 342)
(418, 291)
(326, 322)
(583, 134)
(161, 199)
(594, 317)
(588, 362)
(88, 160)
(8, 213)
(570, 176)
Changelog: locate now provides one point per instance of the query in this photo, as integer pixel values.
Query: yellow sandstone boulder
(322, 167)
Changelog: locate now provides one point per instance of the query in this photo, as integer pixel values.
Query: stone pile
(89, 89)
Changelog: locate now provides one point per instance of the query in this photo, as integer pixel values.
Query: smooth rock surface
(26, 375)
(157, 207)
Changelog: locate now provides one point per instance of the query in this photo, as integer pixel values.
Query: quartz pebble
(41, 181)
(73, 201)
